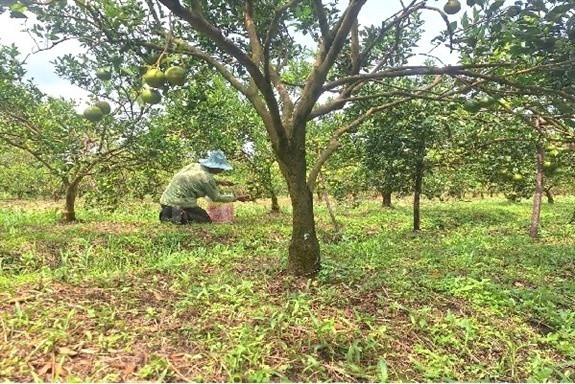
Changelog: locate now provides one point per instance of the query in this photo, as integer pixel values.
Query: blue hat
(216, 159)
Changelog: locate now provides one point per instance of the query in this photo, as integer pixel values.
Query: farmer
(179, 200)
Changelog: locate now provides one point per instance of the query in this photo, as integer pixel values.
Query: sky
(42, 71)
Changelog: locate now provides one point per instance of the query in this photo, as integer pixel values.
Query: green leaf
(496, 5)
(558, 12)
(452, 26)
(465, 20)
(540, 5)
(382, 374)
(18, 7)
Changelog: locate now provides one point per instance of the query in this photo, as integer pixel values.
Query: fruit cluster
(154, 78)
(97, 111)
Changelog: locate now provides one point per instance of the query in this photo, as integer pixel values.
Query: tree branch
(194, 17)
(334, 140)
(324, 62)
(321, 17)
(257, 52)
(278, 13)
(411, 71)
(36, 155)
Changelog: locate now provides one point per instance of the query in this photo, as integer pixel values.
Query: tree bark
(69, 213)
(304, 252)
(275, 208)
(275, 203)
(418, 185)
(334, 222)
(536, 213)
(386, 198)
(549, 195)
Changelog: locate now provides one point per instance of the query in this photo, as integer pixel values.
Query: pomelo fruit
(93, 113)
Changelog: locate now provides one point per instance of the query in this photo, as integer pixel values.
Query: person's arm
(211, 190)
(225, 183)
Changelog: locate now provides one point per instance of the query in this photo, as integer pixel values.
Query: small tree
(68, 145)
(397, 146)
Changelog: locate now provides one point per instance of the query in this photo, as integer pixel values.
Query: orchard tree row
(154, 64)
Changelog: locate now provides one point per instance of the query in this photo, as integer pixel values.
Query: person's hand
(243, 198)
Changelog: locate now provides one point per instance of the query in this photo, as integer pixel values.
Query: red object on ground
(221, 212)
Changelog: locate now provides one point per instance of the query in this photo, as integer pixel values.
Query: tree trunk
(334, 222)
(418, 185)
(267, 182)
(69, 213)
(536, 213)
(549, 195)
(386, 198)
(304, 252)
(275, 203)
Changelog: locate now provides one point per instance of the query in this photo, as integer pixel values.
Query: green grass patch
(121, 297)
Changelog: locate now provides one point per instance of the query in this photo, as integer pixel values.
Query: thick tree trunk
(304, 257)
(386, 198)
(69, 213)
(418, 185)
(549, 195)
(304, 252)
(536, 213)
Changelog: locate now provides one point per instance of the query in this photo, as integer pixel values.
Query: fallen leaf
(67, 351)
(89, 350)
(44, 369)
(130, 367)
(157, 295)
(59, 371)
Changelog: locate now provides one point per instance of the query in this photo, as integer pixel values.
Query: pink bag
(221, 212)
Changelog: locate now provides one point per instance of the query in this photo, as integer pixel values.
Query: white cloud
(38, 64)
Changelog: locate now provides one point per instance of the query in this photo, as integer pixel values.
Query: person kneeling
(179, 200)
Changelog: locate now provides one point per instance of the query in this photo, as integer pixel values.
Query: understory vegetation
(121, 297)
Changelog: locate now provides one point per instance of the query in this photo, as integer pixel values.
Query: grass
(121, 297)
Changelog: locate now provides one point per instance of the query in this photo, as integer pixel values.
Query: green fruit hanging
(104, 73)
(472, 106)
(176, 75)
(93, 113)
(452, 7)
(151, 96)
(104, 107)
(155, 78)
(513, 11)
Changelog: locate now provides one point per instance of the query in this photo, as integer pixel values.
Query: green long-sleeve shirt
(189, 184)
